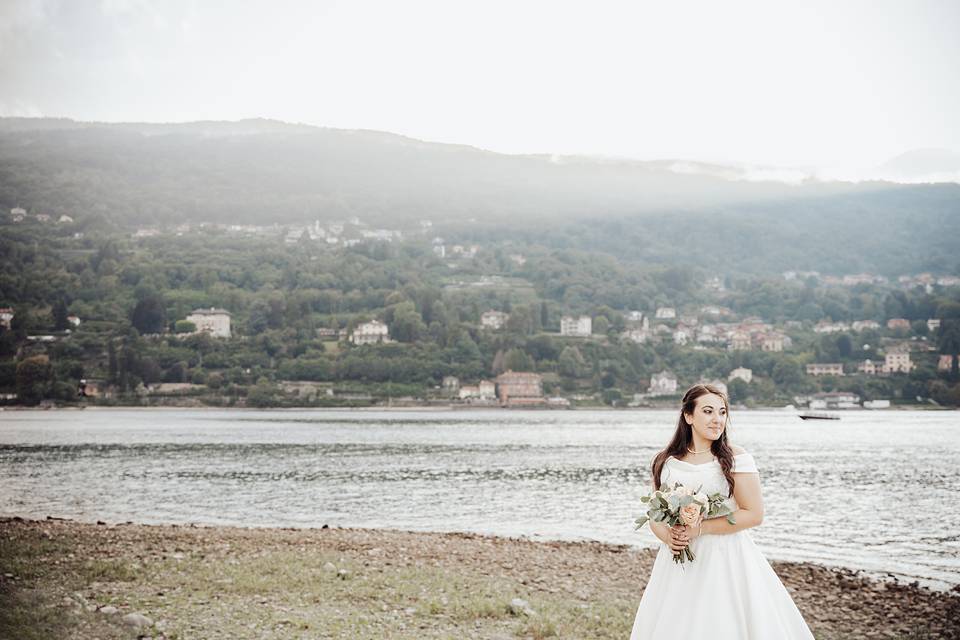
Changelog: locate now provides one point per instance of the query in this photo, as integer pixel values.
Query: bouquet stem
(684, 555)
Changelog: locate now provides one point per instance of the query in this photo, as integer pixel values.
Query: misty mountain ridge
(263, 172)
(251, 169)
(911, 167)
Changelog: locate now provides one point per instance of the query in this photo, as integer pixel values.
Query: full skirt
(729, 591)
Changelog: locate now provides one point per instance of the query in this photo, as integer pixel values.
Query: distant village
(699, 328)
(525, 389)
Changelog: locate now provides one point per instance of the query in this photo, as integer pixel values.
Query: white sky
(836, 83)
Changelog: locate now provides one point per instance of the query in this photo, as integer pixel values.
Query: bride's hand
(693, 531)
(679, 539)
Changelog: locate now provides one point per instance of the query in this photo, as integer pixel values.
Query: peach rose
(690, 514)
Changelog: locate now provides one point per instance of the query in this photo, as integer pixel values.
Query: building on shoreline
(484, 391)
(835, 400)
(520, 389)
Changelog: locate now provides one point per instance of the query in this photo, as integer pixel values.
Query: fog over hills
(922, 165)
(264, 171)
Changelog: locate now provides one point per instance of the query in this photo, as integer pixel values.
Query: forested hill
(263, 172)
(260, 171)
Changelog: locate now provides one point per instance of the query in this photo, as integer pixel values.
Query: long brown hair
(683, 436)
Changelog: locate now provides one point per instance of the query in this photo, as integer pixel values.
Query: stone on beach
(137, 620)
(519, 605)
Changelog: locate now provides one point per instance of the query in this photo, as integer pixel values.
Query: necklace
(697, 452)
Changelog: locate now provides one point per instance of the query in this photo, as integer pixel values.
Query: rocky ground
(61, 579)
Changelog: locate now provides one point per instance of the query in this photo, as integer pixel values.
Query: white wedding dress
(729, 591)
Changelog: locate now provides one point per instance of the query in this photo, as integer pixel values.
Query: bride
(729, 590)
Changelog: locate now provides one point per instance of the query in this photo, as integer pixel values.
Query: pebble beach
(67, 579)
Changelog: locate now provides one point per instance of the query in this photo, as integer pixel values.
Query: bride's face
(709, 417)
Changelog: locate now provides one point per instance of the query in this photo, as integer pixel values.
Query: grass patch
(107, 571)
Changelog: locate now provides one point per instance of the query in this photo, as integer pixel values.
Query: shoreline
(443, 408)
(372, 583)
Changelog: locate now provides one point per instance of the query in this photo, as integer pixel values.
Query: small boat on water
(818, 415)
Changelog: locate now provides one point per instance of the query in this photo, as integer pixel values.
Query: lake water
(874, 491)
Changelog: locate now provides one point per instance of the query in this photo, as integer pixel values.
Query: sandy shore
(65, 579)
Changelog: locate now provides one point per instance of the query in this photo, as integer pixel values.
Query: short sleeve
(744, 463)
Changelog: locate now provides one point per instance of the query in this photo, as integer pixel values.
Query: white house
(708, 333)
(6, 317)
(835, 400)
(825, 369)
(294, 235)
(485, 391)
(451, 384)
(825, 326)
(635, 335)
(663, 384)
(216, 322)
(493, 319)
(665, 313)
(580, 327)
(370, 333)
(741, 373)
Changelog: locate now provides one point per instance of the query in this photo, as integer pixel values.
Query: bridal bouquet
(680, 505)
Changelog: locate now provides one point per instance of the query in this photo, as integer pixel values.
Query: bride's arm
(746, 491)
(660, 530)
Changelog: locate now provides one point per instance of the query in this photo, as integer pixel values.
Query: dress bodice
(708, 476)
